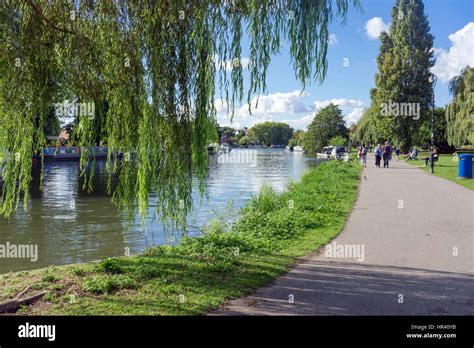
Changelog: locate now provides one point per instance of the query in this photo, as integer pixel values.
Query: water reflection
(70, 225)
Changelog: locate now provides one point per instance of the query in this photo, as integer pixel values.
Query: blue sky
(351, 56)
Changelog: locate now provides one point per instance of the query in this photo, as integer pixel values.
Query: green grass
(445, 168)
(200, 274)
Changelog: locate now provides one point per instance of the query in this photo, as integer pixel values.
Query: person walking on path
(387, 153)
(397, 152)
(378, 155)
(363, 155)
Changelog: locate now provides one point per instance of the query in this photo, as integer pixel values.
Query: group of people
(384, 152)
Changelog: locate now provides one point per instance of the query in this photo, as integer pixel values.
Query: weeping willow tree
(460, 112)
(365, 131)
(157, 66)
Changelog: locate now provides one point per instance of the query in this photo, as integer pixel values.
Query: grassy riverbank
(201, 273)
(445, 168)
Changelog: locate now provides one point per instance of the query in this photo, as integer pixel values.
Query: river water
(69, 225)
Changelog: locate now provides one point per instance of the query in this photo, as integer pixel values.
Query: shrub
(107, 284)
(267, 200)
(146, 269)
(111, 266)
(79, 272)
(158, 251)
(48, 277)
(338, 141)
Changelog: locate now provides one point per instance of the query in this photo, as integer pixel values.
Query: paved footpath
(417, 233)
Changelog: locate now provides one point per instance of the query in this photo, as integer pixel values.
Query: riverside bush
(110, 265)
(107, 284)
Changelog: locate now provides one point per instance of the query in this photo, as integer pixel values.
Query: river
(69, 225)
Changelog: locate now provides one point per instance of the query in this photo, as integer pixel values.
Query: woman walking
(397, 152)
(363, 155)
(387, 153)
(378, 155)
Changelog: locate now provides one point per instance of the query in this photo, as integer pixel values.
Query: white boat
(212, 148)
(331, 152)
(326, 153)
(298, 148)
(323, 155)
(224, 148)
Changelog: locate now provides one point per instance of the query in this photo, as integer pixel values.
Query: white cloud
(355, 115)
(291, 102)
(342, 102)
(375, 26)
(245, 62)
(450, 63)
(300, 123)
(352, 108)
(275, 103)
(230, 63)
(333, 39)
(221, 106)
(286, 107)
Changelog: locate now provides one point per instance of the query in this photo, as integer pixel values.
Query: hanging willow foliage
(151, 68)
(460, 112)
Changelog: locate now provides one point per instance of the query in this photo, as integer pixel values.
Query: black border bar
(195, 331)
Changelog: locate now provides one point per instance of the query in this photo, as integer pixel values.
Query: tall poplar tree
(404, 63)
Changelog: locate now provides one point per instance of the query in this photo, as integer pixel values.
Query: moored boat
(212, 148)
(225, 148)
(325, 153)
(331, 152)
(71, 153)
(322, 155)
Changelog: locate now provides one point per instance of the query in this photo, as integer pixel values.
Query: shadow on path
(343, 288)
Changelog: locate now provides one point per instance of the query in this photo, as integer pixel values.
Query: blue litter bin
(465, 165)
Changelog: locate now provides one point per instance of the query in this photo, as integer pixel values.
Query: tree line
(327, 128)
